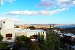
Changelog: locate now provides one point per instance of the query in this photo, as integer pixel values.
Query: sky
(38, 11)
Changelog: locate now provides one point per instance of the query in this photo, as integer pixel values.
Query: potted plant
(1, 37)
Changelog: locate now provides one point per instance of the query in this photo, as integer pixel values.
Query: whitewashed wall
(28, 34)
(4, 32)
(7, 25)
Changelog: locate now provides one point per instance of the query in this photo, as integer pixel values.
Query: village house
(9, 32)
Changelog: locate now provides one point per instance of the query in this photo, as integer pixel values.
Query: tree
(23, 41)
(41, 38)
(23, 37)
(19, 40)
(34, 46)
(17, 27)
(42, 46)
(1, 37)
(41, 41)
(53, 41)
(16, 47)
(3, 46)
(31, 27)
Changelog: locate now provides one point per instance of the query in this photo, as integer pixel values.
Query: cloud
(74, 2)
(16, 20)
(26, 12)
(46, 3)
(56, 3)
(41, 12)
(65, 3)
(2, 1)
(11, 1)
(44, 12)
(61, 5)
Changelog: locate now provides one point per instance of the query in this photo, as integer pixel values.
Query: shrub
(16, 47)
(3, 46)
(1, 37)
(34, 46)
(23, 41)
(31, 27)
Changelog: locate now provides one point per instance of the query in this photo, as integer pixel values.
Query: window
(8, 35)
(3, 21)
(34, 37)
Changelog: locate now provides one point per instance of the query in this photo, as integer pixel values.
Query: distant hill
(44, 25)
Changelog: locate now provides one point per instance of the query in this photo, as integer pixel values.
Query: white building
(9, 32)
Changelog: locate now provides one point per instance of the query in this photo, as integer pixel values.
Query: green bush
(34, 46)
(53, 41)
(31, 27)
(1, 37)
(40, 38)
(19, 40)
(23, 41)
(42, 46)
(16, 47)
(3, 46)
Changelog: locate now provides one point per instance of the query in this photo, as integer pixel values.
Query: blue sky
(38, 11)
